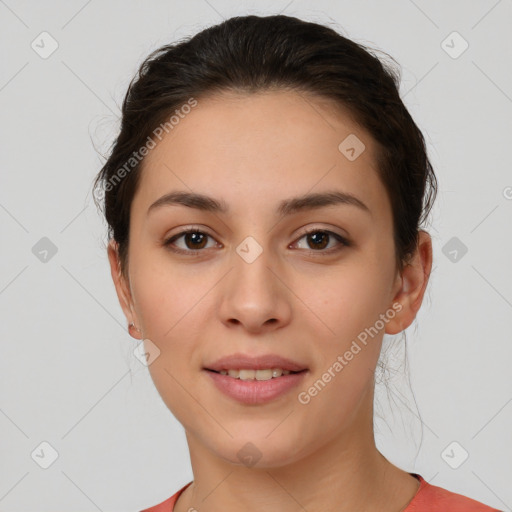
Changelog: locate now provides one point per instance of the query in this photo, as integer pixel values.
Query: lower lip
(255, 391)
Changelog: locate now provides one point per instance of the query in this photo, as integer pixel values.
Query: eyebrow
(285, 207)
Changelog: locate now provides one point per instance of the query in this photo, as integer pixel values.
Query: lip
(262, 362)
(255, 392)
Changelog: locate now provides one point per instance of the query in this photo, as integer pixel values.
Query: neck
(346, 473)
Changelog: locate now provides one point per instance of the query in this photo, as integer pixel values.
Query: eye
(194, 240)
(319, 239)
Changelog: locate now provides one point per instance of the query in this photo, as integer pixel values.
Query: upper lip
(261, 362)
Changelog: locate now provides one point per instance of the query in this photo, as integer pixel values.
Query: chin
(259, 452)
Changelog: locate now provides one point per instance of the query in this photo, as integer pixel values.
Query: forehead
(263, 147)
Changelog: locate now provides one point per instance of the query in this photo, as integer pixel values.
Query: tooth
(265, 374)
(246, 374)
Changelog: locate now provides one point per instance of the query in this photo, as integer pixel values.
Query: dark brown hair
(250, 54)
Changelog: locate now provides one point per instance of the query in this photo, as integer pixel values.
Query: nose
(254, 295)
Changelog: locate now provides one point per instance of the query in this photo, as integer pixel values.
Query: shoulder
(427, 497)
(431, 497)
(168, 504)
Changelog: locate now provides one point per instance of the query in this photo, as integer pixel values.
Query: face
(252, 281)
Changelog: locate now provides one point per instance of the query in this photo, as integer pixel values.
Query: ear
(411, 284)
(122, 288)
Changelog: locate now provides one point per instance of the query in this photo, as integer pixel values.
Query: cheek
(171, 302)
(350, 303)
(343, 301)
(167, 296)
(346, 331)
(169, 306)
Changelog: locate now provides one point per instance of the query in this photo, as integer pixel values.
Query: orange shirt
(428, 498)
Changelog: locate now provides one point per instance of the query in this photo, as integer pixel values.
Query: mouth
(255, 387)
(259, 375)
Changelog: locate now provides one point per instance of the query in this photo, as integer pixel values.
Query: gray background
(68, 373)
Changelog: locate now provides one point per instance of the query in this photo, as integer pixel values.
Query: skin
(252, 151)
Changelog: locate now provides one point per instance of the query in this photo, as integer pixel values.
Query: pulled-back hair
(251, 54)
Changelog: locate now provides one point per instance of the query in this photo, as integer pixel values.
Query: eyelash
(320, 252)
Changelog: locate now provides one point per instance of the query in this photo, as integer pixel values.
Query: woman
(264, 200)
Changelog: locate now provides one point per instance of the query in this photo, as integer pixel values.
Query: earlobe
(122, 288)
(414, 280)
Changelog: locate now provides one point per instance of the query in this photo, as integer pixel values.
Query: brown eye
(318, 239)
(193, 239)
(196, 239)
